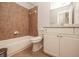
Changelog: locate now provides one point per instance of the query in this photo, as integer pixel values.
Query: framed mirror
(61, 13)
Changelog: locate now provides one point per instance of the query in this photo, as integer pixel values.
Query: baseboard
(13, 53)
(49, 53)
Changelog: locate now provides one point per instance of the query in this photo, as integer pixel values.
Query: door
(69, 47)
(51, 44)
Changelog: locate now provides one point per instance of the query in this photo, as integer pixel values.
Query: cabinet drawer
(59, 30)
(67, 30)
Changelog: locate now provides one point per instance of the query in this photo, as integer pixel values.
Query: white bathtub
(15, 45)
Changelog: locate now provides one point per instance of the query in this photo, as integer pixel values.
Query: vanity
(61, 37)
(61, 41)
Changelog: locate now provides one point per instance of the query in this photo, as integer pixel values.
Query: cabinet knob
(58, 36)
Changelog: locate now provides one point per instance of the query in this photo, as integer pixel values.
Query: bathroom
(39, 29)
(19, 27)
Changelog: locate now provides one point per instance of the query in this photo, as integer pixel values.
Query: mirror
(63, 18)
(61, 13)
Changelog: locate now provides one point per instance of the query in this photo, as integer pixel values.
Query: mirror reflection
(61, 13)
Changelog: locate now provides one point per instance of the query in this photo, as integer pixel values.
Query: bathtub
(16, 45)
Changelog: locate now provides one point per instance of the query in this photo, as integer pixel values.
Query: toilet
(37, 43)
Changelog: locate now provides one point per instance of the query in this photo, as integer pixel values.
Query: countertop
(64, 26)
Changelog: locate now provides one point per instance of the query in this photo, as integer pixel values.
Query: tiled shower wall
(13, 18)
(33, 22)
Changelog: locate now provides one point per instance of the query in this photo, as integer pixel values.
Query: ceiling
(54, 5)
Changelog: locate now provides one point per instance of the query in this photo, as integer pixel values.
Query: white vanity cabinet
(61, 42)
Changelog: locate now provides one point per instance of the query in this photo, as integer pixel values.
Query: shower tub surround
(15, 21)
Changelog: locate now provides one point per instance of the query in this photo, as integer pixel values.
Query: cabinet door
(51, 45)
(76, 31)
(69, 47)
